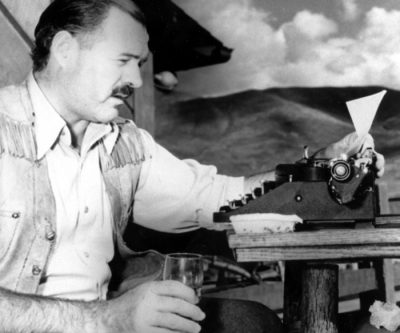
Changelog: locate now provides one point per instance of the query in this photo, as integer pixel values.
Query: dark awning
(177, 41)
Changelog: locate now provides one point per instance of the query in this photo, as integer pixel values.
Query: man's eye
(123, 61)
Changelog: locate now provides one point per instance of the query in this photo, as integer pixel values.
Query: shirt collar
(95, 132)
(49, 125)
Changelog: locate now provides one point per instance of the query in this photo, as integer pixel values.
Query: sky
(305, 43)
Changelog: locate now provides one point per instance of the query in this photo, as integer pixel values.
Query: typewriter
(325, 193)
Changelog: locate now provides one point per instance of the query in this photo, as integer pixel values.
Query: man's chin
(108, 114)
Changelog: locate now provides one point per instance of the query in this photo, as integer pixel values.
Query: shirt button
(36, 270)
(16, 215)
(50, 234)
(86, 209)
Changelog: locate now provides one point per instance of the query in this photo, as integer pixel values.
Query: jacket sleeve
(176, 195)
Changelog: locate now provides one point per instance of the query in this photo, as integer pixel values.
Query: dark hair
(74, 16)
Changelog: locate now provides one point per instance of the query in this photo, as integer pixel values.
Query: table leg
(319, 298)
(310, 298)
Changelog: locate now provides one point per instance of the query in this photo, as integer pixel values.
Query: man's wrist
(33, 313)
(94, 317)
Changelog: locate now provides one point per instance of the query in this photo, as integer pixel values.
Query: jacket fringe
(128, 149)
(17, 139)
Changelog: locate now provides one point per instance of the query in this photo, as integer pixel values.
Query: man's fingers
(175, 289)
(181, 308)
(171, 321)
(353, 144)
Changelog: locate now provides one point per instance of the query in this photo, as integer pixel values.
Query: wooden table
(311, 276)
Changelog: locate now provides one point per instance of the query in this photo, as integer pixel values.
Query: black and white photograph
(213, 166)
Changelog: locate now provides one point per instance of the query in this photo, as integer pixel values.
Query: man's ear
(64, 48)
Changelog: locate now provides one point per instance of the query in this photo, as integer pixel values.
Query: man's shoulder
(13, 92)
(14, 99)
(132, 139)
(126, 126)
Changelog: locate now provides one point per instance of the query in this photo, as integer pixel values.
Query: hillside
(251, 131)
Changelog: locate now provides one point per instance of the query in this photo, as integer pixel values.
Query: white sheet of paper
(363, 110)
(264, 223)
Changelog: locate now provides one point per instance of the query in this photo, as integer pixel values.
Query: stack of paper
(264, 223)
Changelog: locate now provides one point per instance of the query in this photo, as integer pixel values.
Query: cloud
(306, 51)
(381, 34)
(372, 57)
(304, 33)
(350, 10)
(257, 46)
(313, 26)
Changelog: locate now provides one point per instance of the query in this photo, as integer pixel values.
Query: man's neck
(50, 90)
(77, 130)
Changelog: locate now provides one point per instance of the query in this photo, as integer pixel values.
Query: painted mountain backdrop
(252, 131)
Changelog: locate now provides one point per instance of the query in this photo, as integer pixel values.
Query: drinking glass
(186, 268)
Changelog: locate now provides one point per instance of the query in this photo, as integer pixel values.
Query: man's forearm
(30, 313)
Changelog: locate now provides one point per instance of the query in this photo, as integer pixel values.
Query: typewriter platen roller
(323, 192)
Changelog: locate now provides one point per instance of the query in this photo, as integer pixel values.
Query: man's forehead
(129, 7)
(124, 32)
(121, 21)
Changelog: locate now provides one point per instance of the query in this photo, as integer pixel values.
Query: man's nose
(133, 75)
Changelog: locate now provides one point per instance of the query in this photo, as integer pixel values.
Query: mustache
(123, 92)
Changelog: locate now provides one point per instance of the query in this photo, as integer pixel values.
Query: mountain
(255, 130)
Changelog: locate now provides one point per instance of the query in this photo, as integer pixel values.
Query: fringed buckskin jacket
(27, 205)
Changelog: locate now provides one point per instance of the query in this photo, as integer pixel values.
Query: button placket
(49, 232)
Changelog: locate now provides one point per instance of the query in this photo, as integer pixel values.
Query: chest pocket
(9, 221)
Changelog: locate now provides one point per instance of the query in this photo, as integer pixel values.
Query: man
(71, 175)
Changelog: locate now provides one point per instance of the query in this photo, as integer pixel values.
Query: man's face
(111, 61)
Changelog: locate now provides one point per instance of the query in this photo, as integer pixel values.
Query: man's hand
(153, 307)
(351, 145)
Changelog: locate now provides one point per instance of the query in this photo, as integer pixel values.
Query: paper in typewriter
(363, 111)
